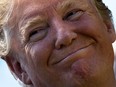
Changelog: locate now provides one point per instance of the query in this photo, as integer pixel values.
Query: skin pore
(61, 43)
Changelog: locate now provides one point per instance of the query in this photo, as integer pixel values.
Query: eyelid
(74, 10)
(37, 33)
(33, 32)
(38, 27)
(32, 26)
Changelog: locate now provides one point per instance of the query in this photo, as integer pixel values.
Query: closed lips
(73, 55)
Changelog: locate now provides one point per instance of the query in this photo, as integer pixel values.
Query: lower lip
(75, 56)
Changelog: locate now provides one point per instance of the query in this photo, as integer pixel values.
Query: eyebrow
(66, 4)
(31, 24)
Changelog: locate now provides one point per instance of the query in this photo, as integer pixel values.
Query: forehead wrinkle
(65, 4)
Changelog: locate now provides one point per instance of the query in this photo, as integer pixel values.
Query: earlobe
(110, 30)
(16, 68)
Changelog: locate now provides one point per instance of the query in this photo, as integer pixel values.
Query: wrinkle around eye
(73, 15)
(37, 35)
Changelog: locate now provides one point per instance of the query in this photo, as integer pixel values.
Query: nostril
(63, 44)
(59, 44)
(65, 39)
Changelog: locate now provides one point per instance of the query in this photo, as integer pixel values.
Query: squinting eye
(37, 34)
(73, 15)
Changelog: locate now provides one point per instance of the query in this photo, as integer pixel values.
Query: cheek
(90, 65)
(91, 26)
(38, 53)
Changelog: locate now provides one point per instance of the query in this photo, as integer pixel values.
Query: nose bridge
(65, 34)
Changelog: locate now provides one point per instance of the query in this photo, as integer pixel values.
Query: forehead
(27, 8)
(28, 5)
(46, 2)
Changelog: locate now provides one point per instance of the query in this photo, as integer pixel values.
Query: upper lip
(69, 55)
(72, 55)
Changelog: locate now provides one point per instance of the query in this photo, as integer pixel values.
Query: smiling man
(60, 43)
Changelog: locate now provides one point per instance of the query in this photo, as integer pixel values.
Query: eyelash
(32, 33)
(37, 34)
(71, 13)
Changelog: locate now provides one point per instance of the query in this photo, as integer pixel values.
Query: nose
(65, 36)
(64, 39)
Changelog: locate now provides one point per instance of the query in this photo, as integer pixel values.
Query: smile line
(71, 54)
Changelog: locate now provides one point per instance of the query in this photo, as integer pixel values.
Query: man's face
(64, 43)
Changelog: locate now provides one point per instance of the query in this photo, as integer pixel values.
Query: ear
(110, 30)
(17, 69)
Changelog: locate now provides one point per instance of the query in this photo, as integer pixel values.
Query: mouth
(74, 56)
